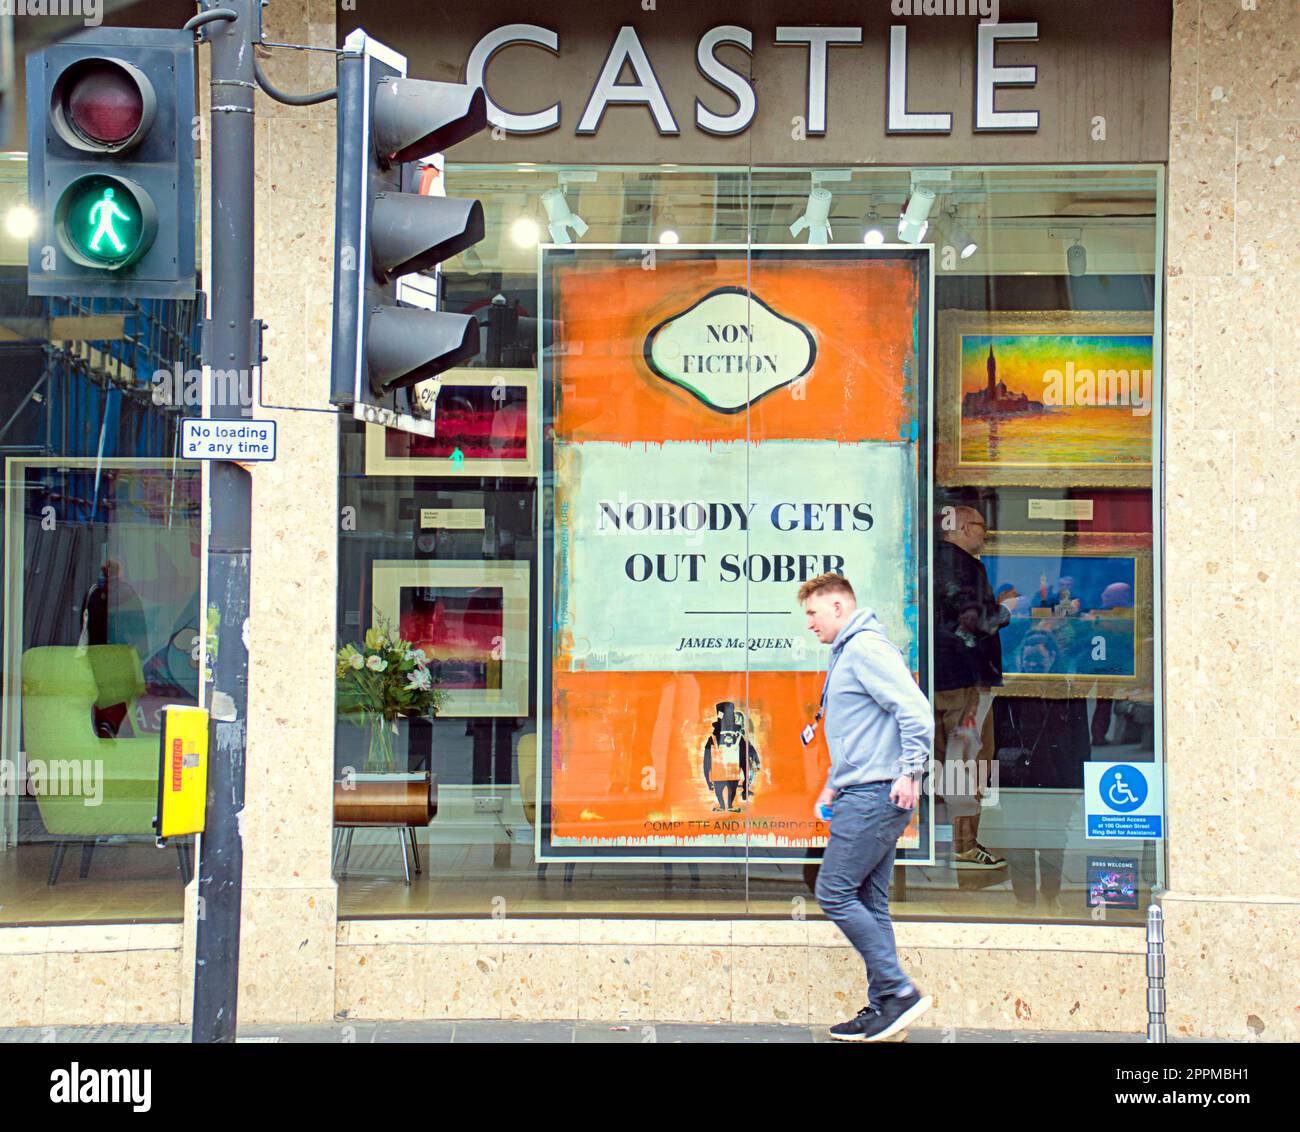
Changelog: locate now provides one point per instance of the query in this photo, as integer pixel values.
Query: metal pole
(221, 863)
(1156, 974)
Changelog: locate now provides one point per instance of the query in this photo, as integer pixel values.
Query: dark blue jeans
(853, 884)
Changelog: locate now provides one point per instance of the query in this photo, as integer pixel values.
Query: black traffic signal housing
(110, 174)
(386, 123)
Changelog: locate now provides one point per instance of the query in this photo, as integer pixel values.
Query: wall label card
(1077, 510)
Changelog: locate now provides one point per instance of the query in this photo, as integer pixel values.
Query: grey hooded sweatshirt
(878, 723)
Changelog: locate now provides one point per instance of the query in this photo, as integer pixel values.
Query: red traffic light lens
(103, 103)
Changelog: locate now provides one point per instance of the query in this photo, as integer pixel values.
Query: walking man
(879, 728)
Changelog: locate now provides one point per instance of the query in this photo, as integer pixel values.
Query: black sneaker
(854, 1030)
(896, 1013)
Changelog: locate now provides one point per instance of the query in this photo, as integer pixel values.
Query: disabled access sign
(1123, 800)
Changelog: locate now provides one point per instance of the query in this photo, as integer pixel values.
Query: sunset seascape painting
(1019, 398)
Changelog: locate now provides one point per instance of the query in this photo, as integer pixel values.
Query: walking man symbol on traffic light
(102, 214)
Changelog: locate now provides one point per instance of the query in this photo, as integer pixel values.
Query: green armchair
(87, 787)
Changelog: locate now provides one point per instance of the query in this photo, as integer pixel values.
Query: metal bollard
(1156, 974)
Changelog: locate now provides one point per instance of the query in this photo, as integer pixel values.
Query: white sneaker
(977, 858)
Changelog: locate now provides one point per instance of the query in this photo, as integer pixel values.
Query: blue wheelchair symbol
(1123, 788)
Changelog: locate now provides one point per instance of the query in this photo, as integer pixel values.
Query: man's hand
(825, 798)
(905, 792)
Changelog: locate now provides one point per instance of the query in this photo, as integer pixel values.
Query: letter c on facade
(476, 75)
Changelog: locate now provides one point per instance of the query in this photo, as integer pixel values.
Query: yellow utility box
(182, 772)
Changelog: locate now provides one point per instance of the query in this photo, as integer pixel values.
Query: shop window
(984, 474)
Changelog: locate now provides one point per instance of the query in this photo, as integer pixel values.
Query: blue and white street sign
(1123, 800)
(236, 440)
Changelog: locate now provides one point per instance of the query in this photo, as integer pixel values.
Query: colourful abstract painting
(460, 632)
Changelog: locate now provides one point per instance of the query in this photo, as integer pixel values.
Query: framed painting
(1045, 398)
(472, 621)
(485, 426)
(1082, 616)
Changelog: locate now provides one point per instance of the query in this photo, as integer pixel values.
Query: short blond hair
(826, 583)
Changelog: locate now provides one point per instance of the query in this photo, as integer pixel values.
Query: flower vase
(380, 759)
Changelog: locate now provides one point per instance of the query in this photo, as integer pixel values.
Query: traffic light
(386, 123)
(110, 164)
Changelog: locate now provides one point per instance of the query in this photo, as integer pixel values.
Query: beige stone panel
(88, 937)
(287, 954)
(22, 989)
(837, 985)
(300, 216)
(1184, 57)
(1013, 990)
(298, 538)
(155, 937)
(1266, 512)
(769, 933)
(380, 982)
(1243, 56)
(1198, 482)
(461, 980)
(1230, 969)
(85, 990)
(1268, 198)
(321, 68)
(1201, 198)
(616, 983)
(151, 987)
(979, 935)
(286, 21)
(1286, 350)
(1266, 796)
(486, 930)
(517, 930)
(24, 941)
(538, 981)
(1233, 361)
(635, 932)
(693, 984)
(1179, 358)
(769, 984)
(287, 839)
(1242, 675)
(693, 932)
(289, 610)
(318, 326)
(366, 933)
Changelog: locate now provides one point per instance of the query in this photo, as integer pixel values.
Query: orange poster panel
(628, 760)
(860, 313)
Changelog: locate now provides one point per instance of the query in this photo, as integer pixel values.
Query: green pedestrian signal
(102, 222)
(110, 164)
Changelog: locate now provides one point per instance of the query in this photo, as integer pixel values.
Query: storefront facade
(601, 551)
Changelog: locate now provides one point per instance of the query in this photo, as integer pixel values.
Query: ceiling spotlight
(561, 218)
(1076, 257)
(816, 217)
(914, 222)
(960, 239)
(874, 235)
(668, 236)
(524, 232)
(20, 222)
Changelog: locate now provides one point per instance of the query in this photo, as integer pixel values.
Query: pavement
(497, 1031)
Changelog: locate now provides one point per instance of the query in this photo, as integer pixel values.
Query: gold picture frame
(380, 463)
(955, 467)
(389, 577)
(1081, 632)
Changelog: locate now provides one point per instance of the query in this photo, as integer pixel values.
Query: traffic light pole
(221, 861)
